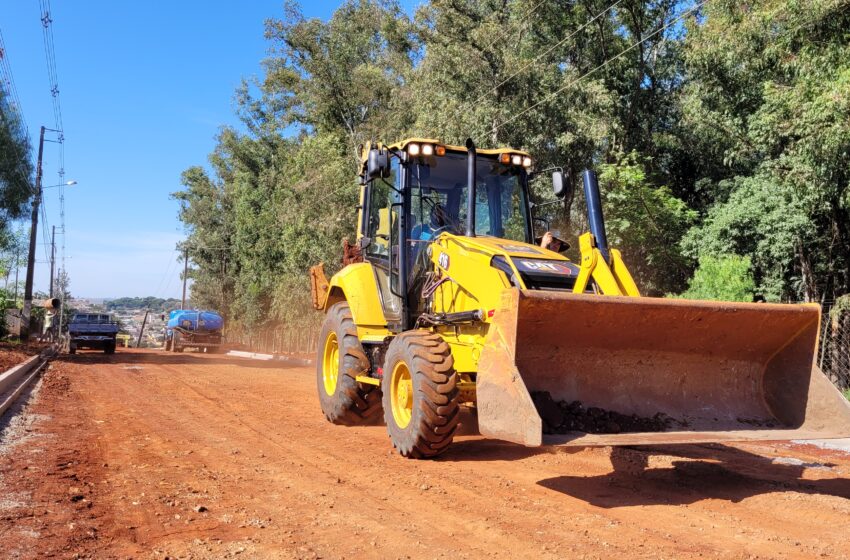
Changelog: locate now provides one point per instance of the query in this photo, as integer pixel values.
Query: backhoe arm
(613, 278)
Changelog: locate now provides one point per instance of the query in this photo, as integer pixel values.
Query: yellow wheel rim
(330, 364)
(401, 394)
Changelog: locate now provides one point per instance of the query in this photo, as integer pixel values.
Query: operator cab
(439, 198)
(417, 189)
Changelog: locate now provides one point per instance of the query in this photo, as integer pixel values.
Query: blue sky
(144, 87)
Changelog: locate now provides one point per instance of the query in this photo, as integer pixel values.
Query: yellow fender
(356, 284)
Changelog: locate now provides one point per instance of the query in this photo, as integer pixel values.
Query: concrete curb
(28, 371)
(270, 357)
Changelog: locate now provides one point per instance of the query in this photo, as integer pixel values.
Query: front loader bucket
(681, 371)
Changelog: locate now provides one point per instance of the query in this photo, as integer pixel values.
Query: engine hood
(514, 249)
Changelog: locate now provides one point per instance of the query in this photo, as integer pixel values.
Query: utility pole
(27, 311)
(142, 331)
(185, 272)
(52, 259)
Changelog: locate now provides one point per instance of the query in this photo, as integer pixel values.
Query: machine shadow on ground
(698, 472)
(129, 356)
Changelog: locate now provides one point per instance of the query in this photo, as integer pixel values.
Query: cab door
(382, 226)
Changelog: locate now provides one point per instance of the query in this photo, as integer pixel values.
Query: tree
(16, 168)
(63, 289)
(646, 222)
(270, 207)
(722, 134)
(767, 103)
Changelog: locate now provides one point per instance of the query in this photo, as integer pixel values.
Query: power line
(168, 271)
(547, 51)
(45, 236)
(46, 16)
(8, 80)
(604, 64)
(12, 102)
(50, 57)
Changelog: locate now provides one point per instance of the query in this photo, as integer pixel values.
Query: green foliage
(840, 307)
(16, 169)
(726, 136)
(646, 223)
(723, 278)
(762, 219)
(154, 304)
(767, 104)
(7, 301)
(63, 288)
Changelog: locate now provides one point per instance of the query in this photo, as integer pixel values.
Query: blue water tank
(195, 320)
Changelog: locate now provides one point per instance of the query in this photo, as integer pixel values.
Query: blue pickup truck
(92, 330)
(190, 328)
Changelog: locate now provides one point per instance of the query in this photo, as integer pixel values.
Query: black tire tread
(436, 414)
(354, 404)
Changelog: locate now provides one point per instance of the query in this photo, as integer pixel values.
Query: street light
(65, 184)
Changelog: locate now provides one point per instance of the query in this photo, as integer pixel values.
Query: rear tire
(340, 360)
(109, 349)
(72, 349)
(175, 342)
(420, 401)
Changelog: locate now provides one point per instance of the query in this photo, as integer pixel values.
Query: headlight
(526, 162)
(427, 149)
(516, 159)
(413, 149)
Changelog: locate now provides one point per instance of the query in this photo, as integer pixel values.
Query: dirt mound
(14, 354)
(561, 417)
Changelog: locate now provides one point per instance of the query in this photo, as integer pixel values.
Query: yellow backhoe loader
(452, 303)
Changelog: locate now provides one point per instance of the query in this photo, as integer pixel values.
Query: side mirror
(561, 185)
(377, 164)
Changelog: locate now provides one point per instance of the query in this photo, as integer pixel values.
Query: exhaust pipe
(470, 187)
(594, 212)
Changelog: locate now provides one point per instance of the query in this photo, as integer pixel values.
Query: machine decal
(547, 267)
(443, 261)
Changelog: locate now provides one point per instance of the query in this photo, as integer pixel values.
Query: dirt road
(154, 455)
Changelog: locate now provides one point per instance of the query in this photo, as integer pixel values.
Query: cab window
(382, 216)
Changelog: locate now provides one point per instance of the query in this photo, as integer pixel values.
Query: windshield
(439, 199)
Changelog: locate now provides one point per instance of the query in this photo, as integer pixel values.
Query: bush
(725, 278)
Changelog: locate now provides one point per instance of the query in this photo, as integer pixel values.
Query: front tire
(420, 401)
(340, 360)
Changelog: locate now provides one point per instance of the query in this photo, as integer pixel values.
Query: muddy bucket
(651, 371)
